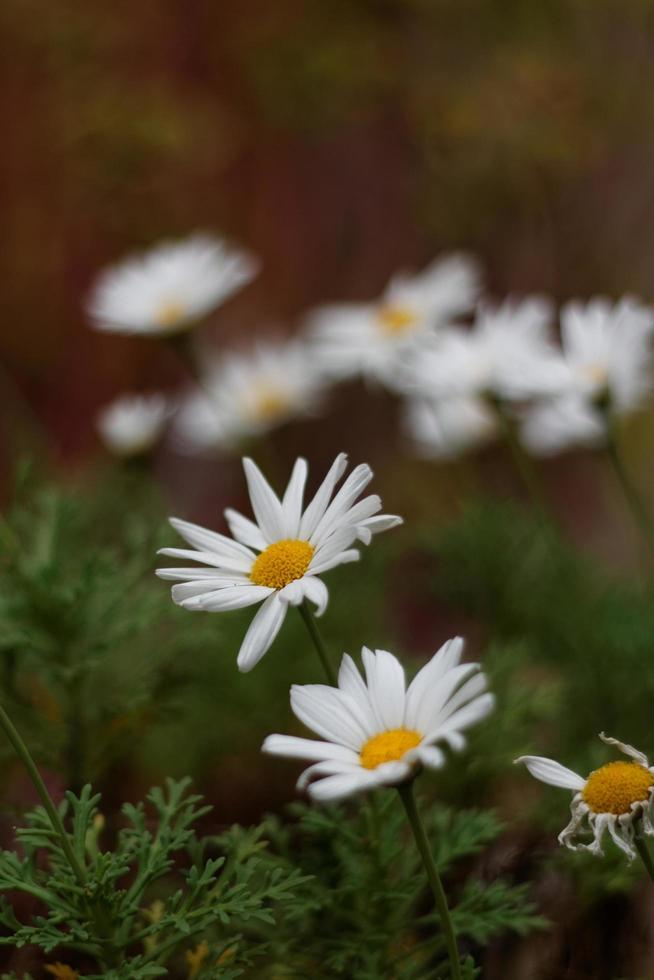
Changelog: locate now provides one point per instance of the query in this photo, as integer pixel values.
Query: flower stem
(638, 510)
(23, 754)
(521, 461)
(314, 633)
(406, 795)
(643, 850)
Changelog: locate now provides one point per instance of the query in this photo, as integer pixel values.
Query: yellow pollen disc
(169, 314)
(596, 373)
(281, 563)
(269, 404)
(388, 747)
(396, 319)
(614, 787)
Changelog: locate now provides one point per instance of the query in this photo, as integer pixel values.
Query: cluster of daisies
(457, 361)
(373, 729)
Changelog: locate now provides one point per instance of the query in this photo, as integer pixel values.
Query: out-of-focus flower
(606, 372)
(445, 427)
(167, 289)
(61, 971)
(133, 424)
(507, 353)
(377, 732)
(616, 797)
(277, 560)
(247, 394)
(371, 339)
(195, 959)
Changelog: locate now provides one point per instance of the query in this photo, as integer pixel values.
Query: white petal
(291, 746)
(335, 788)
(292, 502)
(262, 631)
(383, 522)
(316, 592)
(293, 593)
(447, 657)
(330, 767)
(187, 590)
(205, 540)
(329, 713)
(432, 709)
(385, 678)
(222, 600)
(245, 530)
(629, 750)
(469, 715)
(431, 756)
(356, 482)
(320, 502)
(342, 558)
(213, 574)
(551, 772)
(265, 503)
(224, 562)
(392, 773)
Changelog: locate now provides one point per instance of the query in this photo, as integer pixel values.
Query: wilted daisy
(606, 371)
(133, 424)
(616, 797)
(371, 339)
(507, 353)
(247, 394)
(442, 428)
(168, 288)
(277, 560)
(378, 732)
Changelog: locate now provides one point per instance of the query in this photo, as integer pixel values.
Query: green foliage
(367, 913)
(159, 890)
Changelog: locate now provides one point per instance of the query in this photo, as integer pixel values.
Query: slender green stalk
(314, 633)
(23, 754)
(521, 460)
(638, 510)
(643, 851)
(440, 900)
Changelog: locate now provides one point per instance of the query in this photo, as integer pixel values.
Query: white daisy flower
(442, 428)
(168, 288)
(247, 394)
(132, 424)
(278, 559)
(371, 339)
(607, 372)
(377, 732)
(616, 797)
(507, 353)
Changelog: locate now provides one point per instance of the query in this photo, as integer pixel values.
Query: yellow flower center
(388, 747)
(269, 404)
(396, 319)
(614, 787)
(169, 314)
(596, 373)
(281, 563)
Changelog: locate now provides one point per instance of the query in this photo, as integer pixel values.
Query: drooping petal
(293, 593)
(316, 592)
(265, 503)
(330, 767)
(551, 772)
(262, 631)
(629, 750)
(335, 788)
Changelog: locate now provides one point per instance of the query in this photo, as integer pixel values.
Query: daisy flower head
(278, 558)
(606, 371)
(443, 428)
(247, 394)
(166, 290)
(507, 353)
(371, 339)
(616, 798)
(133, 424)
(377, 732)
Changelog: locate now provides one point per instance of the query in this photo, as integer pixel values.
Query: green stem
(638, 510)
(521, 460)
(645, 856)
(406, 795)
(314, 633)
(53, 814)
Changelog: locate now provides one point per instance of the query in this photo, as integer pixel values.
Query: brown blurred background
(339, 139)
